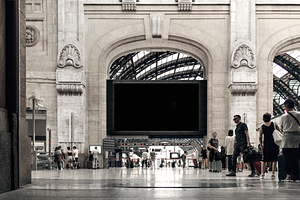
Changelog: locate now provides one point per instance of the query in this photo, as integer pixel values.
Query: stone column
(243, 72)
(70, 75)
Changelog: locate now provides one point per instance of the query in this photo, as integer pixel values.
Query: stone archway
(191, 41)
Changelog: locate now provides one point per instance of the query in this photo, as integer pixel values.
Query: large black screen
(157, 106)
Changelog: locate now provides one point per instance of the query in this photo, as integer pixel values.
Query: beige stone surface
(210, 32)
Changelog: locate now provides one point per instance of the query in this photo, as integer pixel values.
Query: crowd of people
(60, 158)
(236, 144)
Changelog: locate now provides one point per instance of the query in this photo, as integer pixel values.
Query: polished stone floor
(163, 183)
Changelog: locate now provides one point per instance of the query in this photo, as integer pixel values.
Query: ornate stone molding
(243, 56)
(70, 88)
(32, 36)
(128, 5)
(243, 89)
(157, 27)
(185, 5)
(69, 56)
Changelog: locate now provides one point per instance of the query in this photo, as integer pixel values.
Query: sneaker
(231, 174)
(252, 174)
(210, 170)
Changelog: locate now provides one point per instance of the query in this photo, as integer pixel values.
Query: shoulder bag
(277, 136)
(294, 118)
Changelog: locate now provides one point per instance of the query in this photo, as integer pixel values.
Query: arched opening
(165, 68)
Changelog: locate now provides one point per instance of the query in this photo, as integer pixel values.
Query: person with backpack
(291, 139)
(57, 157)
(152, 156)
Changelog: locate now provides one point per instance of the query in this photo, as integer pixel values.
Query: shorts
(76, 160)
(70, 158)
(211, 155)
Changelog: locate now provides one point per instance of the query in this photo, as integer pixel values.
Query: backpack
(57, 153)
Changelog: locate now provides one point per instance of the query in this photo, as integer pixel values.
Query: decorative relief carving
(243, 89)
(157, 27)
(243, 56)
(69, 56)
(185, 5)
(128, 5)
(70, 88)
(32, 36)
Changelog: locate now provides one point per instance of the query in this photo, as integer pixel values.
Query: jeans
(236, 153)
(144, 162)
(95, 163)
(292, 156)
(184, 163)
(230, 163)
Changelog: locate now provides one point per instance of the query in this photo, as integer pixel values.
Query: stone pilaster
(70, 75)
(243, 72)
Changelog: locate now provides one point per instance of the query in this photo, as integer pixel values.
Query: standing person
(152, 155)
(223, 156)
(183, 158)
(57, 157)
(95, 153)
(213, 144)
(242, 142)
(69, 158)
(204, 158)
(229, 147)
(145, 158)
(269, 148)
(291, 139)
(75, 154)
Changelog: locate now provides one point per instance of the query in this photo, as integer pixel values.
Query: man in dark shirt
(242, 142)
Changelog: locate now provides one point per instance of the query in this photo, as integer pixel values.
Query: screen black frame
(110, 110)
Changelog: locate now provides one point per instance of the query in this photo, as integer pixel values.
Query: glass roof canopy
(145, 65)
(292, 82)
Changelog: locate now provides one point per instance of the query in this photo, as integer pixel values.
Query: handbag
(252, 154)
(277, 136)
(218, 156)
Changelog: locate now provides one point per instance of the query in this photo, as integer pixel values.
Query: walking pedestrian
(213, 144)
(291, 139)
(229, 147)
(204, 158)
(183, 158)
(242, 142)
(269, 148)
(75, 154)
(145, 158)
(153, 156)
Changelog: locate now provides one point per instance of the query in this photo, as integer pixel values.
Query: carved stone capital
(243, 56)
(185, 5)
(128, 5)
(70, 88)
(243, 89)
(69, 56)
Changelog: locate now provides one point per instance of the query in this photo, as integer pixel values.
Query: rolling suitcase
(195, 163)
(217, 166)
(89, 164)
(257, 166)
